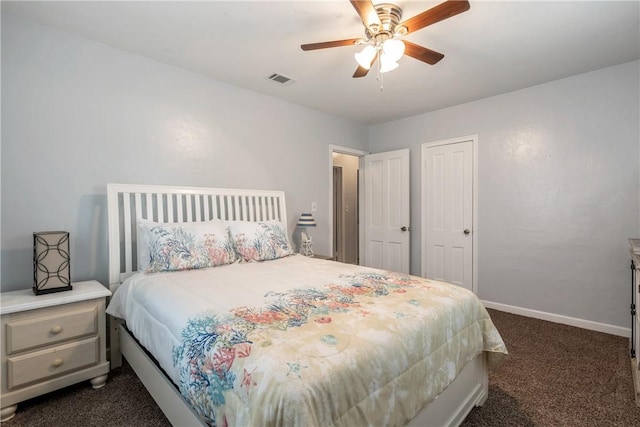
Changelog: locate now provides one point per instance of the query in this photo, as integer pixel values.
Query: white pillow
(182, 246)
(260, 241)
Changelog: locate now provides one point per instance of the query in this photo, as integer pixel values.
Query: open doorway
(346, 200)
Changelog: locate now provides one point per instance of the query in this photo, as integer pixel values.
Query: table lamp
(51, 270)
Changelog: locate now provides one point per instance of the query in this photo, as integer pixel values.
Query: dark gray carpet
(558, 375)
(555, 375)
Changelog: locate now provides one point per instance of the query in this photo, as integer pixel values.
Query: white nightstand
(51, 341)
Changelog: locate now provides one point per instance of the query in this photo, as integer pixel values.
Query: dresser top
(25, 299)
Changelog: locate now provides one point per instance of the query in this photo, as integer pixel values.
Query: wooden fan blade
(421, 53)
(435, 14)
(361, 71)
(367, 12)
(324, 45)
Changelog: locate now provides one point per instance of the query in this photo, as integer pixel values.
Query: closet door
(448, 212)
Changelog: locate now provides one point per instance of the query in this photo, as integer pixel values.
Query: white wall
(77, 115)
(558, 190)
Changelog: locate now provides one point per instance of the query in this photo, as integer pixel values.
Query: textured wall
(77, 115)
(558, 190)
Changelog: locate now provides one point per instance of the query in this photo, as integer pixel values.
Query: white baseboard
(558, 318)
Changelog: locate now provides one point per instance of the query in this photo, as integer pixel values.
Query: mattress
(302, 341)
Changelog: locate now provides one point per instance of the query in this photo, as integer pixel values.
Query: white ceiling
(495, 47)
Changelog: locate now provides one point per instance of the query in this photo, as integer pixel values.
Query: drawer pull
(56, 329)
(57, 363)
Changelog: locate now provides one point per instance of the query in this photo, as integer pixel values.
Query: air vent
(283, 80)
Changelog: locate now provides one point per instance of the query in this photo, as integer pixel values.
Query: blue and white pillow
(260, 241)
(182, 246)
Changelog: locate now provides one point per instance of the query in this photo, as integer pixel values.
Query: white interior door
(386, 210)
(448, 211)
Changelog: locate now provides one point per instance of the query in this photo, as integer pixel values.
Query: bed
(239, 330)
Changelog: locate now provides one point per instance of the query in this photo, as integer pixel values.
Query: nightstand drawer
(42, 364)
(46, 330)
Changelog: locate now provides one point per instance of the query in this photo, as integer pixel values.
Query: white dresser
(635, 315)
(51, 341)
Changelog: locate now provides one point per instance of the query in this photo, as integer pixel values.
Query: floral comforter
(305, 342)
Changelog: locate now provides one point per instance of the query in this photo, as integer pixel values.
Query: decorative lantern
(51, 266)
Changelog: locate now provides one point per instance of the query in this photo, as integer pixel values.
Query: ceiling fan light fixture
(387, 64)
(393, 49)
(365, 57)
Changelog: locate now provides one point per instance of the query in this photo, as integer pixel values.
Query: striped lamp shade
(306, 220)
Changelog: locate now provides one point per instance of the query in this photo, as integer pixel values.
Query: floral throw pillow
(185, 246)
(260, 241)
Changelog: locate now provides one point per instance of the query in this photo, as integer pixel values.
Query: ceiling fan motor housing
(390, 15)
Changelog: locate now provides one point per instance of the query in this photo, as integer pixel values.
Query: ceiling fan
(383, 30)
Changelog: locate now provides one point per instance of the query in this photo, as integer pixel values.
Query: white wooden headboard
(127, 203)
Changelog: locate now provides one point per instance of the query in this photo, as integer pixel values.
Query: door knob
(466, 231)
(403, 228)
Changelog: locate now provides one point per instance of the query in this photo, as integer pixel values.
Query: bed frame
(127, 203)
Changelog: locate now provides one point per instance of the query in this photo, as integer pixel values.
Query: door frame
(338, 217)
(352, 152)
(423, 204)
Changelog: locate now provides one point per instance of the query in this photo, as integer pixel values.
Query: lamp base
(306, 248)
(51, 290)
